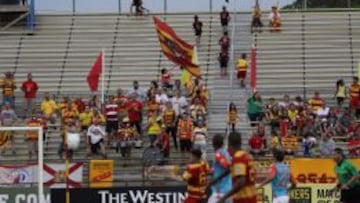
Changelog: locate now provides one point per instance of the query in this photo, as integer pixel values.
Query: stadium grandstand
(122, 106)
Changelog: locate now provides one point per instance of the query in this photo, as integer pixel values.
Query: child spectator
(164, 142)
(232, 116)
(292, 114)
(125, 138)
(255, 109)
(199, 137)
(48, 108)
(86, 119)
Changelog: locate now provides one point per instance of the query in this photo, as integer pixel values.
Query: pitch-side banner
(55, 175)
(307, 193)
(17, 174)
(121, 195)
(22, 195)
(316, 171)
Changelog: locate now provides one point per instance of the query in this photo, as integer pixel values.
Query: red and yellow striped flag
(176, 49)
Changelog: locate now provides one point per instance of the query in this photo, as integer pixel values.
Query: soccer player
(242, 172)
(280, 178)
(222, 163)
(196, 178)
(348, 178)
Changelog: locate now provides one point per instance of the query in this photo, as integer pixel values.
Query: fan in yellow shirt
(86, 118)
(154, 127)
(242, 65)
(48, 108)
(292, 113)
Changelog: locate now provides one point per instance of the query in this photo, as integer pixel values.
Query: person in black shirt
(224, 18)
(224, 42)
(197, 26)
(223, 60)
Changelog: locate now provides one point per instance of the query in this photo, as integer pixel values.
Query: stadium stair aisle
(222, 92)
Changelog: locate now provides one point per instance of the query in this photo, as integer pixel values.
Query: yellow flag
(186, 76)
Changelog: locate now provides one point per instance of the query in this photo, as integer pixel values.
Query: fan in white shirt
(96, 135)
(179, 103)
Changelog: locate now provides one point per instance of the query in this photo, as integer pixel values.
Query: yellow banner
(307, 193)
(101, 173)
(316, 171)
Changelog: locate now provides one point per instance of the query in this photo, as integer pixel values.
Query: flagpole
(103, 76)
(66, 137)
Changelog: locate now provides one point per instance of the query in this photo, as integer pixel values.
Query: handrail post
(165, 7)
(304, 5)
(73, 7)
(119, 6)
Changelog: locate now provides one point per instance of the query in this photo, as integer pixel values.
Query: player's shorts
(194, 200)
(241, 74)
(215, 197)
(282, 199)
(248, 200)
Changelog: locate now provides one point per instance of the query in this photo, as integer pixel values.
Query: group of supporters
(8, 116)
(310, 127)
(274, 19)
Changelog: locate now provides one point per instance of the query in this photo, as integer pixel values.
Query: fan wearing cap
(9, 85)
(274, 18)
(125, 138)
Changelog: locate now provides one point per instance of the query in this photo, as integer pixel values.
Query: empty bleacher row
(312, 51)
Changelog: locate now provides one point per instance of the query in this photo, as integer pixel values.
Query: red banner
(253, 69)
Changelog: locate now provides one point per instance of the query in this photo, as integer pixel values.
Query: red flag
(176, 49)
(94, 74)
(253, 69)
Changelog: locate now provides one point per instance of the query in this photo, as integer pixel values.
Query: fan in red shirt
(256, 144)
(79, 105)
(165, 79)
(30, 88)
(134, 108)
